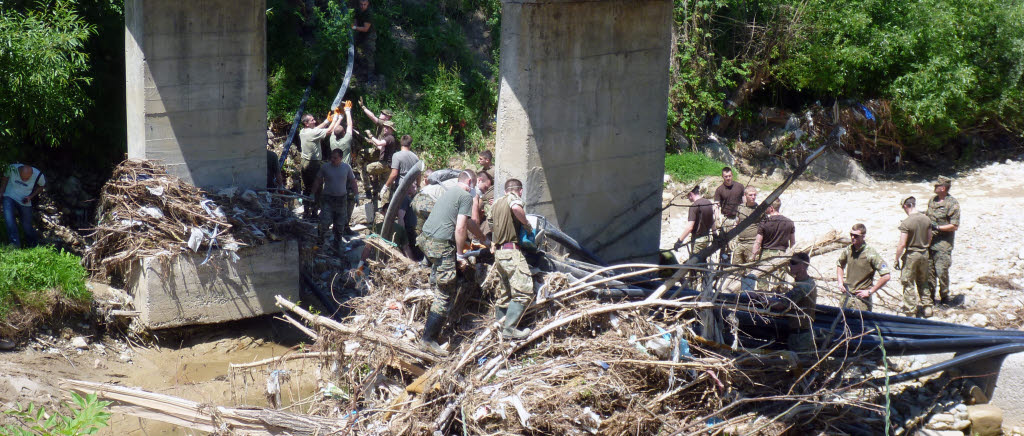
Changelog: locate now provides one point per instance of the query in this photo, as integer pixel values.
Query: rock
(836, 166)
(717, 151)
(1020, 254)
(79, 343)
(978, 320)
(961, 424)
(752, 151)
(986, 420)
(969, 286)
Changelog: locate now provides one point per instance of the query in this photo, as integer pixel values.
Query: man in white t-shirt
(20, 185)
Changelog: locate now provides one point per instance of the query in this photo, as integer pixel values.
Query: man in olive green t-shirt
(444, 235)
(861, 263)
(915, 237)
(515, 280)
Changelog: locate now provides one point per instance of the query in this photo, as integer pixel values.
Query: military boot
(428, 341)
(512, 315)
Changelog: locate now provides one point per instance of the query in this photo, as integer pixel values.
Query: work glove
(679, 244)
(348, 104)
(896, 265)
(935, 227)
(361, 102)
(337, 110)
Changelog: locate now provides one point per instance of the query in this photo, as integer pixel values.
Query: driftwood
(384, 248)
(203, 417)
(387, 341)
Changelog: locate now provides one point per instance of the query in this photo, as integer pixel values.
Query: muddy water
(201, 373)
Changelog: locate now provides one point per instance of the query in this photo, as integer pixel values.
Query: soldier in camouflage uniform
(915, 236)
(944, 213)
(516, 282)
(444, 230)
(743, 248)
(802, 301)
(861, 263)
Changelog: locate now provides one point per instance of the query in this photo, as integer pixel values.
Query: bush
(688, 166)
(30, 278)
(87, 416)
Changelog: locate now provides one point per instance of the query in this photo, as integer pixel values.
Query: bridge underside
(195, 73)
(581, 117)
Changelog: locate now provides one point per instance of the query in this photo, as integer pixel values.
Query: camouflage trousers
(914, 278)
(514, 279)
(852, 301)
(940, 257)
(441, 255)
(742, 252)
(333, 213)
(699, 243)
(768, 255)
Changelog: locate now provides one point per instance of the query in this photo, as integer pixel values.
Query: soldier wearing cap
(915, 236)
(944, 213)
(378, 120)
(861, 263)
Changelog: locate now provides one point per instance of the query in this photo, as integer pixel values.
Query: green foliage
(701, 74)
(292, 59)
(87, 416)
(43, 64)
(688, 166)
(27, 276)
(441, 123)
(945, 64)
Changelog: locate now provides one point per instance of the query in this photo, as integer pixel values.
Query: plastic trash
(195, 238)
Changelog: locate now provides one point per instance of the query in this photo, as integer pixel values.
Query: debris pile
(611, 367)
(145, 212)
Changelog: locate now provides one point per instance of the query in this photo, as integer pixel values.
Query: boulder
(837, 166)
(753, 151)
(986, 419)
(717, 151)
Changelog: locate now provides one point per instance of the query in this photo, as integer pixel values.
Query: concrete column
(582, 116)
(196, 84)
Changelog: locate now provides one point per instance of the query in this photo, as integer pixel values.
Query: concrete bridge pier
(582, 117)
(196, 82)
(196, 79)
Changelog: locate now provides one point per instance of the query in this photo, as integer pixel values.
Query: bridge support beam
(581, 116)
(197, 88)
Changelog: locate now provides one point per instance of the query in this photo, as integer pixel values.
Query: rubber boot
(428, 341)
(499, 313)
(512, 315)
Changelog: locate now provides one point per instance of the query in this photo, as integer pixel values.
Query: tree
(44, 67)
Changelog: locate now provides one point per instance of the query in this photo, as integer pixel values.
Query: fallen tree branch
(213, 419)
(320, 321)
(494, 364)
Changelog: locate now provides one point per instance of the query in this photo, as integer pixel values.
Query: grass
(34, 280)
(689, 167)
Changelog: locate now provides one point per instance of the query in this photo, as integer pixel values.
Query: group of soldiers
(438, 216)
(923, 252)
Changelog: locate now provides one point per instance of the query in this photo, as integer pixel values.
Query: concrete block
(195, 79)
(184, 292)
(986, 420)
(581, 116)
